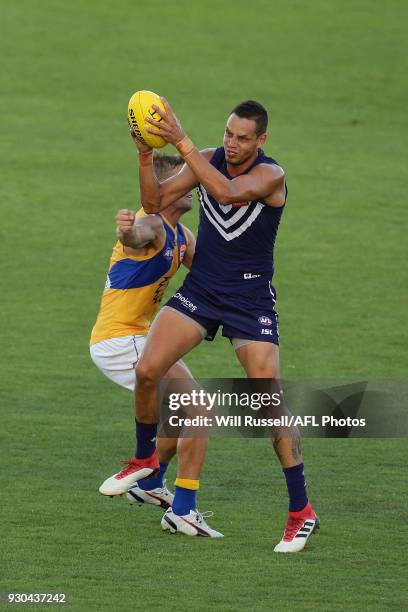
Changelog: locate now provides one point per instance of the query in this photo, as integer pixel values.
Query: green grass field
(333, 76)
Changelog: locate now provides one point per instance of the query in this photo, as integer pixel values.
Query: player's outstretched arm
(155, 196)
(137, 232)
(263, 182)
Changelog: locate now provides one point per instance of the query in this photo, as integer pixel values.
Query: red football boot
(298, 530)
(134, 470)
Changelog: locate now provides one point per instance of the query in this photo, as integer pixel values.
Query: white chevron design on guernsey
(226, 208)
(224, 222)
(219, 223)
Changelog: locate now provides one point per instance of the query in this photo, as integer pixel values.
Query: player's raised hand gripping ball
(141, 106)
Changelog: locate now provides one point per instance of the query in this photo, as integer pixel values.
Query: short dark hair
(165, 165)
(250, 109)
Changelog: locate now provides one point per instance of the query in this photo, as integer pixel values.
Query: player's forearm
(214, 182)
(136, 237)
(125, 238)
(188, 260)
(149, 184)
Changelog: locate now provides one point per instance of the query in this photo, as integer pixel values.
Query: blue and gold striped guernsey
(135, 286)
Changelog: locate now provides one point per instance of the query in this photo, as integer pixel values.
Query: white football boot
(298, 530)
(192, 524)
(160, 496)
(134, 470)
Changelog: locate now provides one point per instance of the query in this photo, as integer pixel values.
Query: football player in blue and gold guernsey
(149, 251)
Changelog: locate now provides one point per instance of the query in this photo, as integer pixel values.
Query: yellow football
(141, 106)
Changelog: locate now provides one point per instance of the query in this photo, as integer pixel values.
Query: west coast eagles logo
(168, 254)
(265, 320)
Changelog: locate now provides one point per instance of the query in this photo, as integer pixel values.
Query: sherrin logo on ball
(141, 106)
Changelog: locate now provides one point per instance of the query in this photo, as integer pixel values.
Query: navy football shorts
(249, 315)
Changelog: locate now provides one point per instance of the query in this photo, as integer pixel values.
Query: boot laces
(200, 516)
(292, 527)
(130, 466)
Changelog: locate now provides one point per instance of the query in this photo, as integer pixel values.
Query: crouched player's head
(166, 166)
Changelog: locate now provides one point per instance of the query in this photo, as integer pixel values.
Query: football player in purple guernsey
(242, 193)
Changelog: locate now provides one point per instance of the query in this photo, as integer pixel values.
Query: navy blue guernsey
(235, 243)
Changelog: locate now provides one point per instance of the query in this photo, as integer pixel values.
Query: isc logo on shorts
(265, 320)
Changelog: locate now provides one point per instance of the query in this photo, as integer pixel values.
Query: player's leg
(174, 334)
(183, 516)
(261, 360)
(171, 336)
(117, 358)
(153, 490)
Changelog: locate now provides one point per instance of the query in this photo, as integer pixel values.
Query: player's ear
(261, 139)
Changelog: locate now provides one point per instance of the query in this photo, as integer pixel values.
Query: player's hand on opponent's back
(168, 126)
(143, 148)
(125, 220)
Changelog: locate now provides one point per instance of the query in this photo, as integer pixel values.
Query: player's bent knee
(146, 373)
